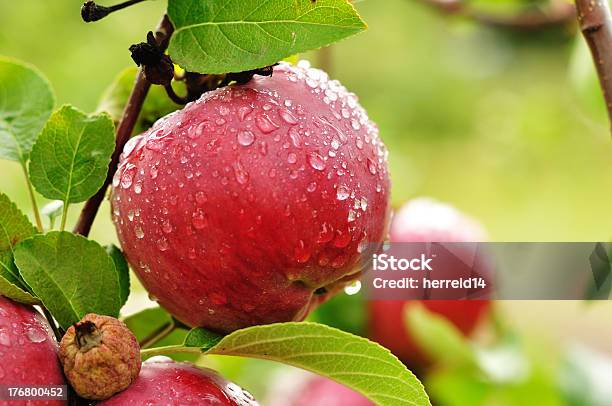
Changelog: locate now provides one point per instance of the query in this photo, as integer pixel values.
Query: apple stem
(159, 334)
(169, 349)
(596, 26)
(124, 132)
(91, 12)
(557, 13)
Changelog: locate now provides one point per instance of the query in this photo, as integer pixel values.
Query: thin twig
(596, 26)
(124, 131)
(557, 13)
(173, 96)
(158, 335)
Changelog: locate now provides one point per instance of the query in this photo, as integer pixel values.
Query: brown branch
(596, 26)
(124, 131)
(558, 13)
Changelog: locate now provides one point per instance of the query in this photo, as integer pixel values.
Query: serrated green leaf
(144, 323)
(156, 105)
(71, 275)
(202, 338)
(26, 102)
(350, 360)
(438, 337)
(70, 158)
(14, 227)
(237, 35)
(123, 271)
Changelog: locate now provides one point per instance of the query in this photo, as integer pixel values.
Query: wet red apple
(426, 220)
(28, 350)
(254, 203)
(165, 382)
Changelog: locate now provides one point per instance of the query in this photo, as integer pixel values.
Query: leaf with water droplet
(26, 102)
(70, 158)
(15, 227)
(70, 274)
(238, 35)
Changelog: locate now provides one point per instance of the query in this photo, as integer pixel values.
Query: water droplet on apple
(287, 116)
(162, 244)
(316, 161)
(36, 335)
(244, 111)
(199, 219)
(241, 175)
(342, 193)
(300, 253)
(245, 138)
(326, 234)
(128, 176)
(265, 124)
(138, 232)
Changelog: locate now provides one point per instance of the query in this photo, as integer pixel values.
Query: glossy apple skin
(320, 391)
(426, 220)
(234, 211)
(165, 382)
(28, 350)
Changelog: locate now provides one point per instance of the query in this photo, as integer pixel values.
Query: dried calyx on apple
(100, 355)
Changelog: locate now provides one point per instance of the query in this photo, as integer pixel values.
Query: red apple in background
(28, 350)
(320, 391)
(254, 203)
(296, 387)
(165, 382)
(426, 220)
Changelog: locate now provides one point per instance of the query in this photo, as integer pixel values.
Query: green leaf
(238, 35)
(71, 275)
(438, 337)
(202, 338)
(123, 271)
(26, 101)
(157, 104)
(350, 360)
(70, 159)
(146, 322)
(14, 227)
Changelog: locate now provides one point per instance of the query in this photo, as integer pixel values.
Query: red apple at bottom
(166, 382)
(426, 220)
(28, 350)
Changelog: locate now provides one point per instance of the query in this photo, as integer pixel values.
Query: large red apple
(28, 350)
(426, 220)
(254, 203)
(165, 382)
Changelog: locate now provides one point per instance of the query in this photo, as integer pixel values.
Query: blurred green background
(507, 127)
